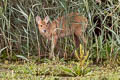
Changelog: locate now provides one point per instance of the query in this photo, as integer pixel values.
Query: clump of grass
(80, 68)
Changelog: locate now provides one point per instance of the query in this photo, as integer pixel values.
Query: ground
(55, 70)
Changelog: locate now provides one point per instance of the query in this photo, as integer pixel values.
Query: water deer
(63, 26)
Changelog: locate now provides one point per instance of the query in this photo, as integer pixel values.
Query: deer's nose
(44, 30)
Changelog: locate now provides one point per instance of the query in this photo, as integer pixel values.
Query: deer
(71, 24)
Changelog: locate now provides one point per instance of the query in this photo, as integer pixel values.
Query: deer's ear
(47, 19)
(38, 19)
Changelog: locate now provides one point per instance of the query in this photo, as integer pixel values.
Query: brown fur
(63, 26)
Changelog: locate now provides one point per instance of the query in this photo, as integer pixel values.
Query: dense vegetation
(19, 35)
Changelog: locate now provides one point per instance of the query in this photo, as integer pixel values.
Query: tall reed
(19, 33)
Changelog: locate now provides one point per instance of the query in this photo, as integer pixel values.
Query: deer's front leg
(53, 44)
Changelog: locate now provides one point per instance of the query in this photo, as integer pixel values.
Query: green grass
(19, 33)
(20, 39)
(51, 70)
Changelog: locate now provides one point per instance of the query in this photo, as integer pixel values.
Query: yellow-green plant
(81, 56)
(81, 66)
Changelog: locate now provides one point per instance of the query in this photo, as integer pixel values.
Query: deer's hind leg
(81, 35)
(76, 40)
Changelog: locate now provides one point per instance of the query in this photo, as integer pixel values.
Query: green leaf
(67, 70)
(22, 57)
